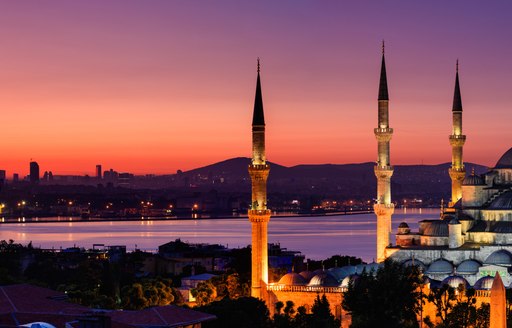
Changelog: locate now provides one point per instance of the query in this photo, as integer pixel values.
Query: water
(316, 237)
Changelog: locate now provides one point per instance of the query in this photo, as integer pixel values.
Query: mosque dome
(484, 283)
(403, 225)
(473, 180)
(360, 268)
(292, 279)
(345, 282)
(373, 267)
(501, 257)
(455, 281)
(502, 202)
(411, 262)
(440, 266)
(468, 267)
(437, 228)
(340, 273)
(505, 162)
(307, 275)
(323, 279)
(38, 325)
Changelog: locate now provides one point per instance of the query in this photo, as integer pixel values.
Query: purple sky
(155, 86)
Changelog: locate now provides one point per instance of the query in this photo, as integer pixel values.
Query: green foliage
(244, 312)
(391, 296)
(204, 293)
(151, 292)
(217, 288)
(457, 308)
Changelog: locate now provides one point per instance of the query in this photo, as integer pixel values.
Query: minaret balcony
(383, 134)
(258, 167)
(259, 215)
(383, 130)
(457, 140)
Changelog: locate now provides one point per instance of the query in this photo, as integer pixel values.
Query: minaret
(457, 139)
(383, 170)
(259, 215)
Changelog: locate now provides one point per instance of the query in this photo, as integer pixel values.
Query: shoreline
(62, 219)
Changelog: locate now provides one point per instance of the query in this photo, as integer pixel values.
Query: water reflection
(317, 237)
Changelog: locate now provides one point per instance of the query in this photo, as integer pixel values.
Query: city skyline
(153, 89)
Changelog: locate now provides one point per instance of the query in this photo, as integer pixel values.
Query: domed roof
(484, 283)
(323, 279)
(373, 267)
(502, 202)
(345, 282)
(455, 281)
(360, 268)
(501, 257)
(410, 262)
(437, 228)
(340, 273)
(292, 279)
(505, 162)
(473, 180)
(403, 225)
(468, 267)
(440, 266)
(307, 275)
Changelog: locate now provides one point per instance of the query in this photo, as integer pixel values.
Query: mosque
(469, 244)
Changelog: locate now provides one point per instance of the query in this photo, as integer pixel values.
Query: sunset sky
(156, 86)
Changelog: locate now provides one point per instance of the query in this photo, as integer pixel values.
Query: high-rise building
(98, 172)
(34, 172)
(383, 207)
(259, 214)
(15, 177)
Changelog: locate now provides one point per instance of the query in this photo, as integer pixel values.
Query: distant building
(15, 177)
(2, 177)
(34, 172)
(98, 172)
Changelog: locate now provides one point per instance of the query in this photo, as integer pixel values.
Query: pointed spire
(457, 100)
(258, 118)
(383, 86)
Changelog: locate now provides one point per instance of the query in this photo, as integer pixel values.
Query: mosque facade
(469, 244)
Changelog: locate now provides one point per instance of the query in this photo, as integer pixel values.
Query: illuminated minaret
(259, 215)
(457, 140)
(383, 170)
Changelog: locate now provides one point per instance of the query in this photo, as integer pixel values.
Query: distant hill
(340, 180)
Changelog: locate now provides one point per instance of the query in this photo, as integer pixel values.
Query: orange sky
(152, 87)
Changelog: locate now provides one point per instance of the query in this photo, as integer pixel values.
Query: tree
(204, 293)
(321, 315)
(244, 312)
(442, 298)
(390, 296)
(456, 308)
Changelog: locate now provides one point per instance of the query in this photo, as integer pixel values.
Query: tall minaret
(259, 215)
(383, 170)
(457, 140)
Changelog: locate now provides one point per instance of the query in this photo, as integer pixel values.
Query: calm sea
(316, 237)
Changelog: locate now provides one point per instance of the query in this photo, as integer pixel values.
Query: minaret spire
(259, 214)
(383, 85)
(457, 139)
(383, 208)
(457, 100)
